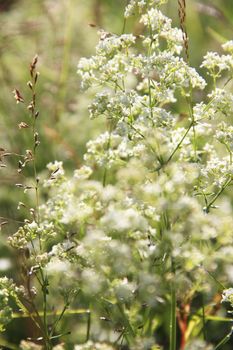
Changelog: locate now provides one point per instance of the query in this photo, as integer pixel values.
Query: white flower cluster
(222, 101)
(140, 5)
(161, 28)
(109, 149)
(93, 346)
(218, 170)
(32, 231)
(227, 296)
(110, 44)
(139, 213)
(228, 46)
(225, 135)
(216, 63)
(8, 290)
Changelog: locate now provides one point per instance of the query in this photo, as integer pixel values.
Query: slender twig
(176, 148)
(224, 340)
(88, 325)
(125, 321)
(210, 204)
(59, 318)
(203, 318)
(50, 313)
(173, 310)
(107, 150)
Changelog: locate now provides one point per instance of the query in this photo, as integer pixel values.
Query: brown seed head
(18, 96)
(33, 65)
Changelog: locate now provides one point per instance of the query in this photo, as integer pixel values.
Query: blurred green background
(61, 32)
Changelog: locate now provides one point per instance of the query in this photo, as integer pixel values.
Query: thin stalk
(38, 322)
(173, 311)
(28, 314)
(203, 318)
(33, 116)
(108, 147)
(124, 26)
(58, 319)
(44, 282)
(121, 336)
(218, 318)
(126, 322)
(44, 288)
(88, 325)
(45, 317)
(221, 286)
(229, 151)
(182, 17)
(227, 182)
(150, 101)
(224, 340)
(105, 176)
(145, 140)
(62, 87)
(149, 82)
(176, 148)
(125, 20)
(50, 313)
(191, 114)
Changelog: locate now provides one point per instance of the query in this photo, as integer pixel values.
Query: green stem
(203, 318)
(88, 325)
(173, 311)
(107, 150)
(221, 286)
(227, 182)
(62, 86)
(48, 344)
(229, 151)
(58, 319)
(191, 114)
(124, 26)
(49, 313)
(224, 340)
(126, 322)
(176, 148)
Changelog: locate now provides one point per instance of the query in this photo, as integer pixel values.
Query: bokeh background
(61, 32)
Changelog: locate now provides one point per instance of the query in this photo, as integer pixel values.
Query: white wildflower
(228, 46)
(227, 295)
(83, 173)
